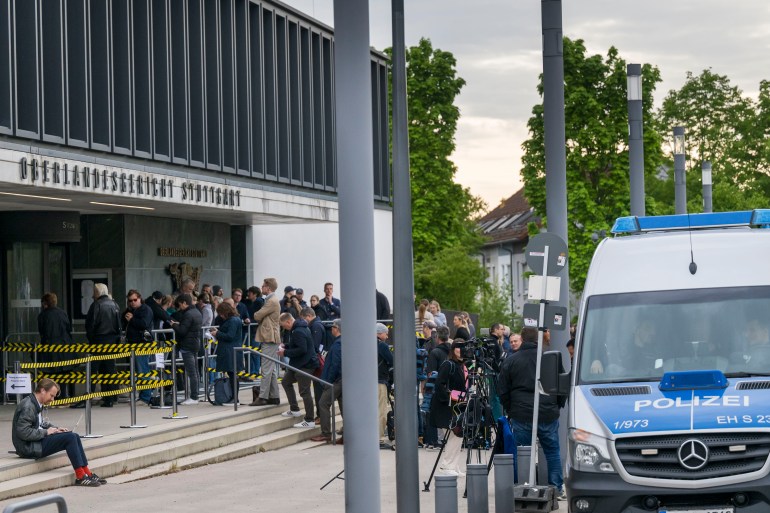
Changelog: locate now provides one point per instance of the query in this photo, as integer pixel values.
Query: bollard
(446, 494)
(504, 482)
(88, 403)
(523, 454)
(132, 394)
(17, 370)
(477, 485)
(174, 414)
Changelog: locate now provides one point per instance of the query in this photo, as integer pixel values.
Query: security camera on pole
(546, 255)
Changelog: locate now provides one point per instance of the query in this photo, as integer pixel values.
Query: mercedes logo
(693, 454)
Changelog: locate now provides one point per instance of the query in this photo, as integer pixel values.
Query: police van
(669, 397)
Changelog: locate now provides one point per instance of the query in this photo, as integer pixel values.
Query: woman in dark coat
(451, 378)
(229, 335)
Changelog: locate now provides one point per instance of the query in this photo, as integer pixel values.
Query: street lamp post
(635, 141)
(680, 185)
(706, 180)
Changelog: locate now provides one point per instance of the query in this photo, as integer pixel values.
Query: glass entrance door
(32, 269)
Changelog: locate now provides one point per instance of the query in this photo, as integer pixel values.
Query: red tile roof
(508, 221)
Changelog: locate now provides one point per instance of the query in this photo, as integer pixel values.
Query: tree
(596, 123)
(726, 128)
(443, 212)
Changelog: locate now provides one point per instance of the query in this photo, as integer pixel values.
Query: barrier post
(174, 413)
(503, 482)
(236, 385)
(17, 370)
(477, 485)
(161, 370)
(132, 396)
(446, 494)
(5, 373)
(88, 403)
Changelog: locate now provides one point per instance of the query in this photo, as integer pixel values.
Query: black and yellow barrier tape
(152, 347)
(84, 397)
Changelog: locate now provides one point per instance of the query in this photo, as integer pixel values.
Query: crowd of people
(291, 330)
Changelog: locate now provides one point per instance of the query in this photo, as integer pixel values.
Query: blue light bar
(631, 224)
(693, 380)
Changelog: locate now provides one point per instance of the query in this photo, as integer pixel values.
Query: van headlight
(589, 452)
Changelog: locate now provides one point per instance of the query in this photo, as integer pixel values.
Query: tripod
(474, 418)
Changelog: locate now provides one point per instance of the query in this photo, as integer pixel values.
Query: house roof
(508, 221)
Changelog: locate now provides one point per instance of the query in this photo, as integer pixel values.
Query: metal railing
(286, 366)
(54, 498)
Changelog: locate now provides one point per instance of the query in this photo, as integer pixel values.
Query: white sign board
(536, 288)
(18, 384)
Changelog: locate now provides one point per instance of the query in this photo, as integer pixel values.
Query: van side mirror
(554, 381)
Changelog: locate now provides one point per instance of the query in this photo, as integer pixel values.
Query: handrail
(287, 367)
(54, 498)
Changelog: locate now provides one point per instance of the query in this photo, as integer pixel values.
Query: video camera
(484, 351)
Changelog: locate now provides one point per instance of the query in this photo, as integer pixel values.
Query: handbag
(321, 361)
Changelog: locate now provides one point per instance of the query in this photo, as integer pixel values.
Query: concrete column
(477, 484)
(503, 482)
(680, 183)
(635, 138)
(355, 183)
(407, 466)
(446, 494)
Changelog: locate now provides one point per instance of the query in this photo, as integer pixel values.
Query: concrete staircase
(176, 445)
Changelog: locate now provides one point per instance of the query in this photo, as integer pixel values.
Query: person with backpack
(449, 391)
(436, 357)
(229, 335)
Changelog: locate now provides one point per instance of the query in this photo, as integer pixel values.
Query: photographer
(436, 357)
(494, 350)
(450, 389)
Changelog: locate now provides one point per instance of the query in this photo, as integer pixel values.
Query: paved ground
(287, 480)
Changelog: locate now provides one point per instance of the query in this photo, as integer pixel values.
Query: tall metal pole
(555, 156)
(407, 466)
(555, 159)
(355, 179)
(635, 139)
(680, 185)
(706, 179)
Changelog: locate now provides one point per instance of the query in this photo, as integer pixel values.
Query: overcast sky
(498, 51)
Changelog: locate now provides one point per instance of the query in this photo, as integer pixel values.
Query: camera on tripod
(481, 349)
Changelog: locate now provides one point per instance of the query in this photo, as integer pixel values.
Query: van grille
(726, 455)
(612, 391)
(753, 385)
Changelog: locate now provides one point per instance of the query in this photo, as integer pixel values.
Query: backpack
(422, 358)
(223, 391)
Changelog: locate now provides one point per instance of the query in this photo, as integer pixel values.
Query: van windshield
(640, 336)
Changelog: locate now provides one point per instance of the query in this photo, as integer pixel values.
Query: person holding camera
(448, 392)
(137, 322)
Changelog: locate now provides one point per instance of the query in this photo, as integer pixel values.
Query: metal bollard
(88, 404)
(174, 414)
(504, 482)
(132, 394)
(523, 456)
(477, 485)
(446, 494)
(17, 370)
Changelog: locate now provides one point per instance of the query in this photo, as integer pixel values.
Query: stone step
(158, 454)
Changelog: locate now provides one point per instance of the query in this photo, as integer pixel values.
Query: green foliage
(494, 305)
(596, 129)
(443, 212)
(725, 127)
(452, 276)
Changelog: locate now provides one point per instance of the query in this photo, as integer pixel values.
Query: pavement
(285, 480)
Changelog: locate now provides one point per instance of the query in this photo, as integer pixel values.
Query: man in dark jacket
(137, 320)
(435, 358)
(332, 373)
(302, 355)
(516, 386)
(318, 332)
(384, 365)
(383, 306)
(34, 437)
(188, 339)
(103, 327)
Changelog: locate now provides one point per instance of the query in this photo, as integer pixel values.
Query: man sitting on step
(34, 437)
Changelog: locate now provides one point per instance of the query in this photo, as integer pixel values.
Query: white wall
(306, 255)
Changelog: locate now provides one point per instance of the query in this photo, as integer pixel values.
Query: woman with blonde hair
(438, 317)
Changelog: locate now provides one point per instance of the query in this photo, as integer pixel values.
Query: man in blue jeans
(516, 387)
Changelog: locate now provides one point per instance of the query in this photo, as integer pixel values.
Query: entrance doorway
(30, 269)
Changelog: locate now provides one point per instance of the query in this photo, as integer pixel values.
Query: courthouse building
(142, 141)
